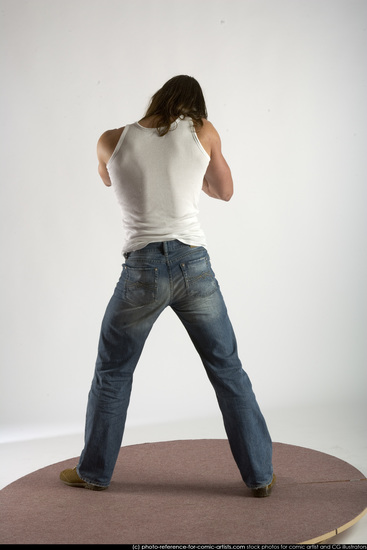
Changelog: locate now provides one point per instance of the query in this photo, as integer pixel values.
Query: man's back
(157, 181)
(218, 179)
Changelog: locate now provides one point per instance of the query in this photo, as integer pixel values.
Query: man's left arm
(105, 147)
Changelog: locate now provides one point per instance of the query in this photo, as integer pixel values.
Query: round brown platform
(186, 492)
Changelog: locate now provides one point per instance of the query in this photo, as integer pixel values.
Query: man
(158, 167)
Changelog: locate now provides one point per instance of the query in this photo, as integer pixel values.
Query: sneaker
(265, 491)
(70, 477)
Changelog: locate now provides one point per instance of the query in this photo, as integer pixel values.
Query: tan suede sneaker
(70, 477)
(264, 491)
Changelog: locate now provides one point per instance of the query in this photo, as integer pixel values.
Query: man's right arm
(218, 181)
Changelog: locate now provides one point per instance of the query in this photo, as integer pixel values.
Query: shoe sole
(83, 485)
(263, 492)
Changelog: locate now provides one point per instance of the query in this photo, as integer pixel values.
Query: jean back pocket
(139, 285)
(199, 278)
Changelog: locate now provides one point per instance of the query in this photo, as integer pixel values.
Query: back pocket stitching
(190, 281)
(131, 286)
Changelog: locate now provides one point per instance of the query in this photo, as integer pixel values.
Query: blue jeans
(176, 275)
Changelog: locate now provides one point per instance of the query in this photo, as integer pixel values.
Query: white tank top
(158, 181)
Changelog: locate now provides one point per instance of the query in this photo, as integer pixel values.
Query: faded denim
(153, 278)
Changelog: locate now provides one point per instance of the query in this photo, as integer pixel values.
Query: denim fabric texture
(179, 276)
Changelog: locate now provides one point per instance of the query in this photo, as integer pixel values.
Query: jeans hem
(89, 481)
(262, 485)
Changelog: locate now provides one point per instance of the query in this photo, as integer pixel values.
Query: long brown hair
(182, 97)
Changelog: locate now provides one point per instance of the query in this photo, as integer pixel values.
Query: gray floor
(338, 430)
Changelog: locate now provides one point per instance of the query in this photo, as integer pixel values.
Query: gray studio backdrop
(285, 84)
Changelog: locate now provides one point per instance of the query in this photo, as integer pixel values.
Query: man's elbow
(227, 196)
(227, 193)
(227, 189)
(102, 170)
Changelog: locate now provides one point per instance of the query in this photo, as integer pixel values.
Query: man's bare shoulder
(208, 136)
(107, 143)
(111, 136)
